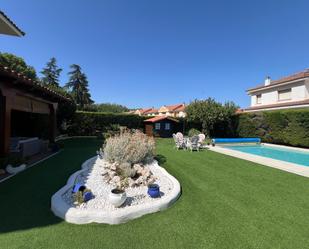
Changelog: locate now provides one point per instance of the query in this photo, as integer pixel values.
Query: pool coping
(286, 147)
(270, 162)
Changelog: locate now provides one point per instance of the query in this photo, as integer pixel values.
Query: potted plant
(153, 190)
(117, 197)
(81, 193)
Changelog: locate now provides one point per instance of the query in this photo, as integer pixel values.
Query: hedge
(287, 127)
(94, 123)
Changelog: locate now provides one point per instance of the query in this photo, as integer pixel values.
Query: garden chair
(201, 139)
(193, 143)
(177, 144)
(179, 141)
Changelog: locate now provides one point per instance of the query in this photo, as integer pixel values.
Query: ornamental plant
(130, 147)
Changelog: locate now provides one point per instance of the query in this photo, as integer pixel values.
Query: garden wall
(94, 123)
(288, 127)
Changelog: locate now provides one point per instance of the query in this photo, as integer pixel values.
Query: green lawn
(225, 203)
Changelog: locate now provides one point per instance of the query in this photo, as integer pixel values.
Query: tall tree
(78, 85)
(208, 113)
(18, 64)
(51, 73)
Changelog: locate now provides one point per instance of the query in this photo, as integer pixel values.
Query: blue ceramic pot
(153, 190)
(76, 187)
(87, 196)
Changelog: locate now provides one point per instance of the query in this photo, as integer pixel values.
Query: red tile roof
(300, 75)
(159, 118)
(149, 111)
(21, 80)
(144, 110)
(285, 104)
(176, 108)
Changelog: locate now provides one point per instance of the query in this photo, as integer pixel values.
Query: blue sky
(144, 53)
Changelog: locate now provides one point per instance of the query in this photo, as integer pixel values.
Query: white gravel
(137, 196)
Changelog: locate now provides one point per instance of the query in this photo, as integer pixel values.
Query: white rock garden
(125, 183)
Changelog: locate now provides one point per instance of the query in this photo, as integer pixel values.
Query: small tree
(208, 113)
(17, 64)
(51, 73)
(78, 85)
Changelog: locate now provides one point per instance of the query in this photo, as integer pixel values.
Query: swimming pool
(283, 154)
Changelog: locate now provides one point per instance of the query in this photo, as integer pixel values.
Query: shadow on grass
(161, 159)
(25, 198)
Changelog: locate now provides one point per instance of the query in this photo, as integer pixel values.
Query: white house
(288, 92)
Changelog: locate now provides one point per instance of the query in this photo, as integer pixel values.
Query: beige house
(285, 93)
(142, 112)
(166, 110)
(173, 110)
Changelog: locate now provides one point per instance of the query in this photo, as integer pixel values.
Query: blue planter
(78, 187)
(87, 196)
(153, 190)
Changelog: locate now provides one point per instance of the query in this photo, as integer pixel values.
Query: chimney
(267, 81)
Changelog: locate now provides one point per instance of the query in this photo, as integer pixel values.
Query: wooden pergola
(22, 94)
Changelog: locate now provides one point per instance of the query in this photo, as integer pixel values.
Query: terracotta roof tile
(22, 79)
(152, 110)
(159, 118)
(176, 108)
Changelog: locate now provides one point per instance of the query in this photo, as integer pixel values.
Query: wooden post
(52, 122)
(7, 124)
(2, 111)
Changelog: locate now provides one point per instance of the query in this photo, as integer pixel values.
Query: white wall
(299, 91)
(181, 114)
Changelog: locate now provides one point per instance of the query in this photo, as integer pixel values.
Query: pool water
(283, 154)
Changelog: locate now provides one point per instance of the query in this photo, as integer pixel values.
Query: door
(148, 129)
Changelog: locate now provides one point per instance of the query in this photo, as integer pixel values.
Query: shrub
(209, 113)
(289, 127)
(111, 130)
(95, 123)
(129, 147)
(193, 132)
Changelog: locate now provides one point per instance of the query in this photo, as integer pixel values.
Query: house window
(259, 99)
(284, 94)
(157, 126)
(167, 126)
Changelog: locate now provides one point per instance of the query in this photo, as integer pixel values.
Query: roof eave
(256, 89)
(12, 27)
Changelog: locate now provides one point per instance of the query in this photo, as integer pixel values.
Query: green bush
(193, 132)
(289, 127)
(97, 123)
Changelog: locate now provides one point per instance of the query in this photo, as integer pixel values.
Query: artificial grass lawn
(225, 203)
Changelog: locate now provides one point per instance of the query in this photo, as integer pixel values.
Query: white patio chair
(201, 139)
(179, 140)
(193, 143)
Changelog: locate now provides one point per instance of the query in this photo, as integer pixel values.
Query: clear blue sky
(149, 53)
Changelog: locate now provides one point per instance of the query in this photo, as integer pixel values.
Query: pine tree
(78, 85)
(51, 73)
